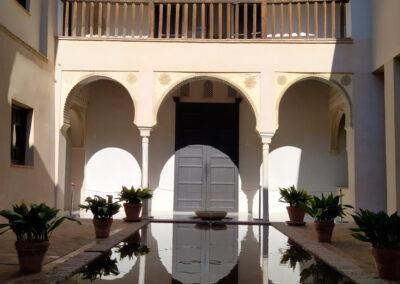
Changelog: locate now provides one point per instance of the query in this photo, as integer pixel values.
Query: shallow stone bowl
(211, 215)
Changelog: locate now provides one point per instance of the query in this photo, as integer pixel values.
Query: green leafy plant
(103, 266)
(379, 229)
(294, 197)
(134, 196)
(326, 209)
(129, 249)
(34, 222)
(294, 254)
(100, 207)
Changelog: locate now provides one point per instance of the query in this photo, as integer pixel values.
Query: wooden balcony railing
(206, 19)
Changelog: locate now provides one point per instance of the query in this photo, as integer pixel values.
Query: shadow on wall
(162, 158)
(301, 150)
(110, 153)
(32, 184)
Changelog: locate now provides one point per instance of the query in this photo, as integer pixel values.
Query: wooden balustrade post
(124, 19)
(228, 20)
(194, 20)
(74, 17)
(133, 19)
(211, 20)
(100, 20)
(273, 19)
(220, 20)
(185, 20)
(245, 19)
(203, 20)
(108, 13)
(264, 19)
(66, 18)
(316, 24)
(83, 19)
(116, 21)
(160, 19)
(236, 25)
(177, 19)
(333, 19)
(325, 19)
(142, 19)
(150, 18)
(168, 28)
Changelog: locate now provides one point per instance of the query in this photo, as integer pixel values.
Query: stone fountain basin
(211, 215)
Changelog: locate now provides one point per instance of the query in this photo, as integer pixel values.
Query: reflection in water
(203, 253)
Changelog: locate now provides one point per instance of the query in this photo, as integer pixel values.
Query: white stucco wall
(112, 141)
(300, 150)
(27, 77)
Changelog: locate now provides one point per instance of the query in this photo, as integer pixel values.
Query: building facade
(211, 104)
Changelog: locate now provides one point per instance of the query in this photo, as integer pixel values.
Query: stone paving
(347, 255)
(71, 245)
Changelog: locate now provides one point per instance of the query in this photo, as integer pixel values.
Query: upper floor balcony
(206, 20)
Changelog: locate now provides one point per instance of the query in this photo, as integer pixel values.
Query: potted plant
(102, 211)
(298, 200)
(32, 224)
(324, 210)
(133, 201)
(383, 232)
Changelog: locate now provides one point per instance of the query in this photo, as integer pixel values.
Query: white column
(145, 134)
(392, 134)
(266, 140)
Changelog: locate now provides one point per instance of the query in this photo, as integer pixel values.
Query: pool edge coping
(65, 267)
(343, 265)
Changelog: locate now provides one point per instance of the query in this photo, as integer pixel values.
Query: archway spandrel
(248, 85)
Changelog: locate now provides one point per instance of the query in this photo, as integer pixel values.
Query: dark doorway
(206, 160)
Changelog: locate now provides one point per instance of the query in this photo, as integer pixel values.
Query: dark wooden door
(206, 159)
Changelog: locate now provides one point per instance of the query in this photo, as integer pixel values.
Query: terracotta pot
(31, 255)
(132, 211)
(102, 227)
(388, 263)
(296, 214)
(324, 231)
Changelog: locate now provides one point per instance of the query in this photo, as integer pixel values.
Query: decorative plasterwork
(246, 84)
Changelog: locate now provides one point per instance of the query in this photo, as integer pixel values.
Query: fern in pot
(324, 210)
(133, 199)
(33, 225)
(383, 232)
(298, 200)
(103, 211)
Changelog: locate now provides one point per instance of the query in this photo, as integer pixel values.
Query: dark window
(24, 3)
(20, 129)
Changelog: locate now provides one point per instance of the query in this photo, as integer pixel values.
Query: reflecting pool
(193, 253)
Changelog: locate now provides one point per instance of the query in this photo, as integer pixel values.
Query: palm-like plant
(294, 197)
(379, 229)
(134, 196)
(34, 222)
(326, 209)
(100, 207)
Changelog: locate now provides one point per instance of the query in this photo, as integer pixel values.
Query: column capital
(144, 131)
(266, 137)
